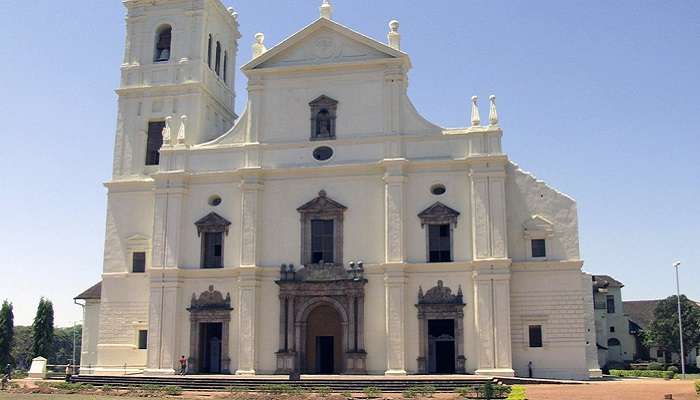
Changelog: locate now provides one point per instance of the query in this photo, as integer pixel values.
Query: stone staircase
(337, 385)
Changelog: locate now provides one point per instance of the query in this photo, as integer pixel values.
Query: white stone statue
(259, 46)
(167, 137)
(493, 114)
(394, 37)
(181, 131)
(476, 119)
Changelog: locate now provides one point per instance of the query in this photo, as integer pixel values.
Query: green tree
(7, 333)
(63, 345)
(42, 329)
(22, 350)
(663, 331)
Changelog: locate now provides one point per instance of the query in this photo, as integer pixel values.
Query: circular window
(438, 189)
(323, 153)
(214, 200)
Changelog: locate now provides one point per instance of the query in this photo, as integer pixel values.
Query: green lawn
(692, 377)
(14, 396)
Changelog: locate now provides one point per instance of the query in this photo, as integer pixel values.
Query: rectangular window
(154, 142)
(213, 250)
(610, 303)
(143, 339)
(535, 332)
(322, 241)
(439, 243)
(138, 262)
(538, 248)
(612, 329)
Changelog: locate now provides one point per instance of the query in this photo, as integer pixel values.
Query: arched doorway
(324, 337)
(614, 350)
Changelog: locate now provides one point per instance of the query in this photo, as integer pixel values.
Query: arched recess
(163, 43)
(323, 324)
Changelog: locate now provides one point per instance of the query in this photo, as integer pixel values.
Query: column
(247, 320)
(488, 211)
(492, 314)
(394, 287)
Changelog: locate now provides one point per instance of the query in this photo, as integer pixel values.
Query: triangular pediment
(324, 42)
(322, 204)
(438, 213)
(538, 223)
(212, 222)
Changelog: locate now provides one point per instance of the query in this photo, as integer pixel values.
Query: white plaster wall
(128, 214)
(419, 197)
(91, 330)
(548, 296)
(526, 196)
(197, 206)
(362, 224)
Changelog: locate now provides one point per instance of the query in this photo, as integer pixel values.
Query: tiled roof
(95, 292)
(600, 281)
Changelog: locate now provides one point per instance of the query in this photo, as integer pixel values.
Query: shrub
(347, 395)
(697, 387)
(323, 391)
(616, 365)
(488, 390)
(172, 390)
(517, 393)
(409, 393)
(655, 366)
(72, 387)
(372, 392)
(673, 369)
(642, 373)
(107, 388)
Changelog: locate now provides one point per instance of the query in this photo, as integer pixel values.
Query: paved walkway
(628, 389)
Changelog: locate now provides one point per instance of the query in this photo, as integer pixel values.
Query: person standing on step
(183, 365)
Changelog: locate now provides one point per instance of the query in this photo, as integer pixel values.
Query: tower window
(163, 39)
(539, 248)
(154, 142)
(138, 262)
(209, 52)
(225, 64)
(217, 67)
(143, 339)
(610, 304)
(535, 335)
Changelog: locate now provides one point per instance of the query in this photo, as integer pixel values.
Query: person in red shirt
(183, 365)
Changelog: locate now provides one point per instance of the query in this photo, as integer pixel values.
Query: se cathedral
(329, 228)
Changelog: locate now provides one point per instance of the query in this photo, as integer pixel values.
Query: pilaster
(247, 320)
(251, 187)
(489, 211)
(170, 191)
(492, 314)
(163, 329)
(394, 289)
(255, 88)
(394, 211)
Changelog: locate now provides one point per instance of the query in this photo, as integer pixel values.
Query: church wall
(551, 296)
(128, 214)
(375, 321)
(418, 198)
(90, 333)
(363, 233)
(267, 330)
(526, 196)
(285, 115)
(198, 207)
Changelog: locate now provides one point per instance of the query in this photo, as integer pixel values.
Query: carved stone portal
(320, 287)
(209, 309)
(438, 303)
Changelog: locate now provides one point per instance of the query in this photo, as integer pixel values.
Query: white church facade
(327, 229)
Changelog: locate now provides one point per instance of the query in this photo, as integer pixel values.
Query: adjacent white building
(329, 228)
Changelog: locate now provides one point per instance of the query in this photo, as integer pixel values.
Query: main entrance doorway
(210, 347)
(324, 341)
(441, 346)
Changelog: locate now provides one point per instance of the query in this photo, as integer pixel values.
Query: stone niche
(316, 291)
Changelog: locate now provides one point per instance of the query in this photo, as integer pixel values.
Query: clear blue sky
(597, 98)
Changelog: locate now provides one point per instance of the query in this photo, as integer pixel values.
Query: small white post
(476, 119)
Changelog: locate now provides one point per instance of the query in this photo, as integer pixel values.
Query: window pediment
(322, 205)
(440, 294)
(210, 299)
(212, 222)
(538, 227)
(438, 213)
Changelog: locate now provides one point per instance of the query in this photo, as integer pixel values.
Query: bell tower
(177, 79)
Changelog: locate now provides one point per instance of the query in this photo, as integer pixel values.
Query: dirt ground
(634, 389)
